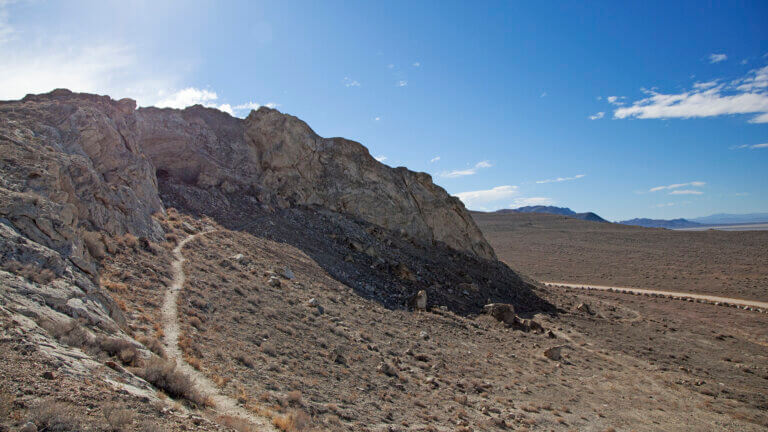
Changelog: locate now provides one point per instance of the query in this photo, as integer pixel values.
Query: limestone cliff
(74, 162)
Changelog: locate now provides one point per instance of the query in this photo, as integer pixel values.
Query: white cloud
(704, 85)
(543, 94)
(479, 199)
(434, 159)
(685, 192)
(402, 83)
(752, 146)
(416, 64)
(381, 158)
(717, 58)
(746, 95)
(377, 119)
(597, 116)
(678, 185)
(532, 201)
(665, 205)
(348, 82)
(188, 97)
(466, 172)
(615, 100)
(561, 179)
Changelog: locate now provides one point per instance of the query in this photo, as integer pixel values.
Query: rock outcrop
(74, 162)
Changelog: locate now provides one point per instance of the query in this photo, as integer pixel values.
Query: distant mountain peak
(563, 211)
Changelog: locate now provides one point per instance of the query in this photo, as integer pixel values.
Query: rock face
(96, 163)
(72, 162)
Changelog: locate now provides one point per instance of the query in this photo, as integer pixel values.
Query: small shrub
(120, 348)
(294, 398)
(164, 375)
(172, 238)
(30, 271)
(237, 423)
(53, 416)
(294, 421)
(130, 241)
(118, 418)
(153, 345)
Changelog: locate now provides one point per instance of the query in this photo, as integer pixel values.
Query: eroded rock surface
(95, 160)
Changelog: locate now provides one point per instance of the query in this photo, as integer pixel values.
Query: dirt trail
(672, 294)
(224, 405)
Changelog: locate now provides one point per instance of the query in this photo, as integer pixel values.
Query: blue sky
(647, 109)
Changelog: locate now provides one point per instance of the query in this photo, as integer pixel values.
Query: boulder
(502, 312)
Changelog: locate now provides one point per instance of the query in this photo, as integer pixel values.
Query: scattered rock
(48, 375)
(275, 281)
(287, 273)
(501, 311)
(423, 335)
(554, 353)
(312, 302)
(237, 257)
(29, 427)
(387, 369)
(188, 228)
(418, 301)
(584, 307)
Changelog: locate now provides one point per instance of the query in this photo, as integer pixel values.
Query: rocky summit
(76, 162)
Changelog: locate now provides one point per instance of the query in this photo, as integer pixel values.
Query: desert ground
(561, 249)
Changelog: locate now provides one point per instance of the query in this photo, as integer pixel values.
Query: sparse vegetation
(30, 271)
(119, 419)
(53, 416)
(164, 375)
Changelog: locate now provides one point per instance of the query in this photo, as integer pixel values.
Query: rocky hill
(563, 211)
(96, 161)
(661, 223)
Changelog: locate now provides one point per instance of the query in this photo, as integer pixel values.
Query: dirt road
(726, 301)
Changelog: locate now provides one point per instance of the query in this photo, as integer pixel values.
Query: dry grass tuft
(118, 418)
(30, 271)
(164, 375)
(52, 416)
(296, 420)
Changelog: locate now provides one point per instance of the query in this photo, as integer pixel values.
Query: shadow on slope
(377, 263)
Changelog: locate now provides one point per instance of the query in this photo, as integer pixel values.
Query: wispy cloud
(751, 146)
(416, 64)
(745, 95)
(390, 66)
(561, 179)
(381, 158)
(597, 116)
(677, 186)
(479, 199)
(665, 204)
(377, 118)
(543, 94)
(349, 82)
(717, 58)
(532, 201)
(466, 172)
(686, 192)
(615, 100)
(402, 83)
(434, 159)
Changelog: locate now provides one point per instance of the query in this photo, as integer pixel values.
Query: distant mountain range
(726, 218)
(661, 223)
(564, 211)
(715, 219)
